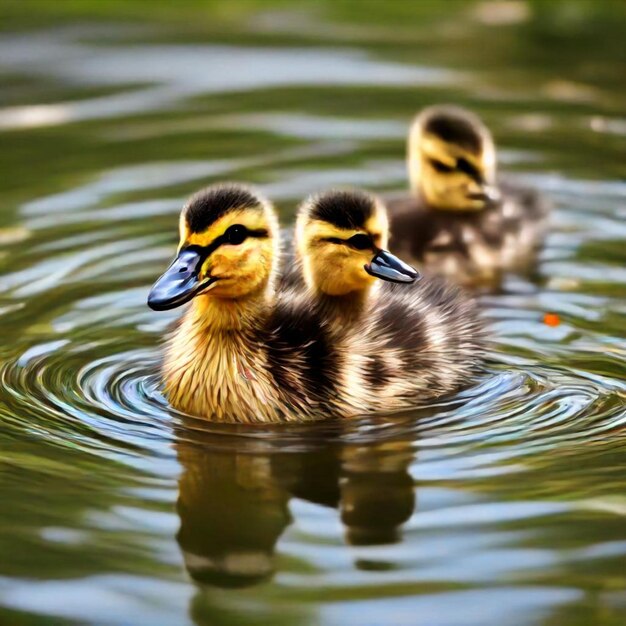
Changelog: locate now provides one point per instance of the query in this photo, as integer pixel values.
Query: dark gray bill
(179, 283)
(389, 267)
(488, 194)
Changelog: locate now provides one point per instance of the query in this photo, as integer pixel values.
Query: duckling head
(452, 159)
(341, 239)
(228, 243)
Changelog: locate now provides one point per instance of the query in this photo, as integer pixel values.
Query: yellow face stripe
(378, 227)
(314, 232)
(447, 153)
(251, 219)
(319, 230)
(183, 230)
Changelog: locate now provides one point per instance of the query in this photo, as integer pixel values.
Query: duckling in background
(240, 354)
(459, 221)
(399, 342)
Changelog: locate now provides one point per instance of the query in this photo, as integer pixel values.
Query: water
(503, 505)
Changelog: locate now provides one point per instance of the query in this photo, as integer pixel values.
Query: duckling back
(413, 344)
(471, 249)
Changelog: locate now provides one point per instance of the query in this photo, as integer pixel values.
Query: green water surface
(504, 505)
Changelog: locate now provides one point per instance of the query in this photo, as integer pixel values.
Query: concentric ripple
(115, 401)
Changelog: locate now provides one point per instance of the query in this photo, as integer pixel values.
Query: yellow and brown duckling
(460, 221)
(218, 362)
(399, 342)
(242, 354)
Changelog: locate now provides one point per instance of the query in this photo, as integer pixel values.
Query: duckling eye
(463, 165)
(360, 242)
(236, 234)
(441, 167)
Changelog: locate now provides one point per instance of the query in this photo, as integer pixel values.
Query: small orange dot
(551, 319)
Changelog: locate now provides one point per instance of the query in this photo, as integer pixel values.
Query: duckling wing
(525, 217)
(428, 340)
(301, 354)
(471, 248)
(529, 202)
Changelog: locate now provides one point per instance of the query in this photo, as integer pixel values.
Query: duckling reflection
(460, 221)
(233, 504)
(232, 512)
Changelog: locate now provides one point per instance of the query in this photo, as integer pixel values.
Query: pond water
(505, 504)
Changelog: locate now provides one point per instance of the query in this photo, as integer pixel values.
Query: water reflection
(234, 504)
(232, 512)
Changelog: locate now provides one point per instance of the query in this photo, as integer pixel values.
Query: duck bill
(389, 267)
(489, 194)
(179, 283)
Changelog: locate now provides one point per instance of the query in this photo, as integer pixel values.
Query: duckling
(460, 222)
(399, 342)
(242, 354)
(225, 360)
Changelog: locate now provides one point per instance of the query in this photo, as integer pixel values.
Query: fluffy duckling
(226, 360)
(459, 221)
(398, 342)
